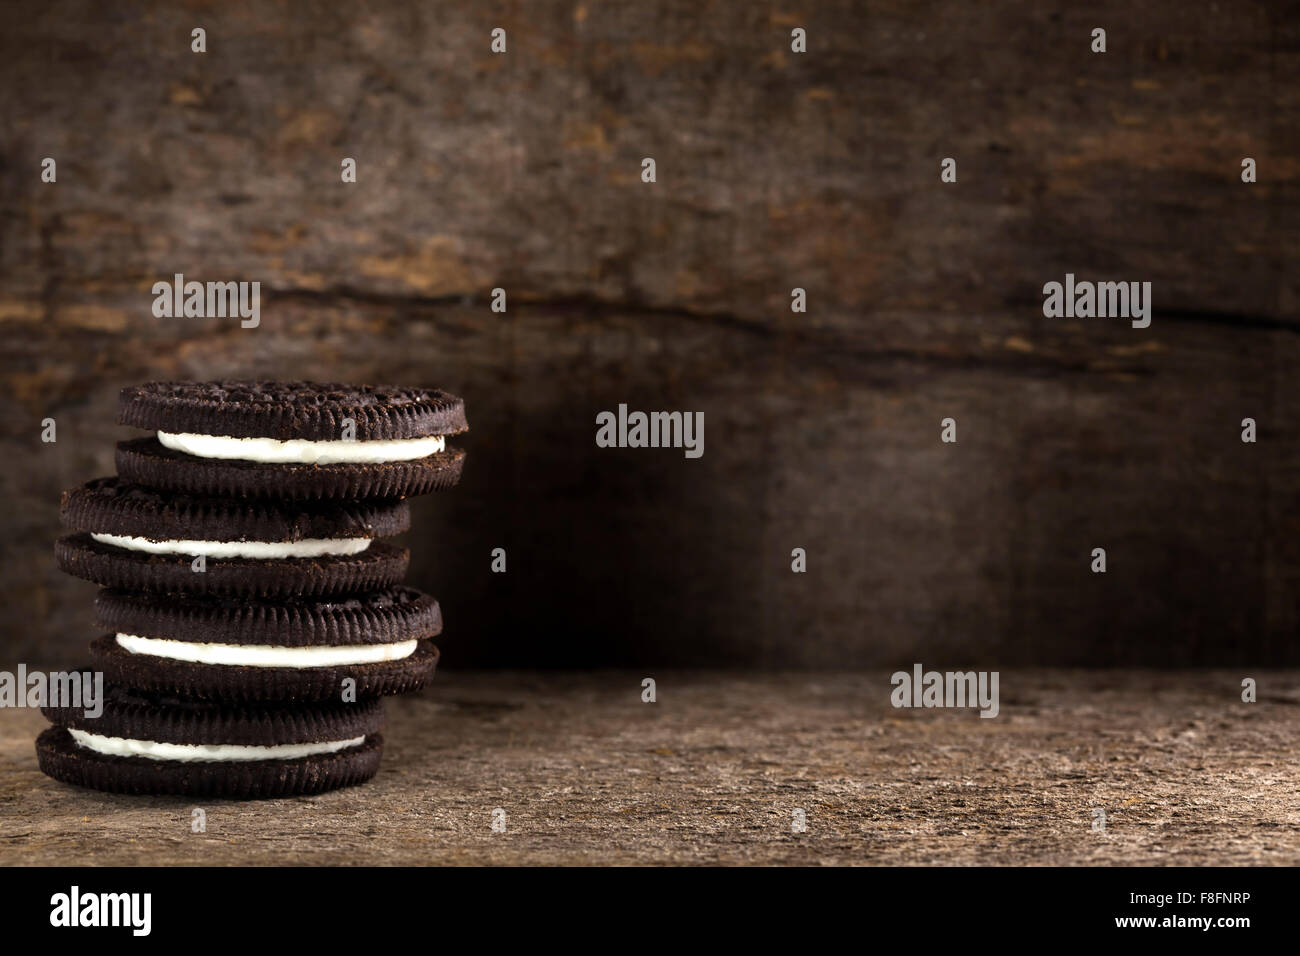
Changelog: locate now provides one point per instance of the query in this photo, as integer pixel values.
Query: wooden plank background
(775, 170)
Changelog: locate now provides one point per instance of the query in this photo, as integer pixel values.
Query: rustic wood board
(775, 170)
(712, 772)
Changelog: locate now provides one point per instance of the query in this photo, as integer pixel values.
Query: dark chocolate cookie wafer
(112, 506)
(311, 411)
(380, 566)
(291, 440)
(380, 617)
(150, 744)
(147, 461)
(254, 650)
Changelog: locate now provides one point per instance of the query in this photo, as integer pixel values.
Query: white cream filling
(301, 451)
(257, 550)
(260, 655)
(127, 747)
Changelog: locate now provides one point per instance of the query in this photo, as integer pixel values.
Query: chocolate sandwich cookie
(150, 744)
(129, 536)
(292, 650)
(300, 440)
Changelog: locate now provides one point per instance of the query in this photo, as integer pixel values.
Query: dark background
(775, 170)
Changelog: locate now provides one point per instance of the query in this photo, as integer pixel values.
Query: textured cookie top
(166, 719)
(112, 506)
(383, 617)
(311, 411)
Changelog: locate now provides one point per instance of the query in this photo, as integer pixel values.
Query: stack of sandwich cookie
(244, 581)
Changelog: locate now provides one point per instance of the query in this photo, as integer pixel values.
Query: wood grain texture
(712, 772)
(775, 170)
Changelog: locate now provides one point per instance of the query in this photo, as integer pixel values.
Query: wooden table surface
(713, 771)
